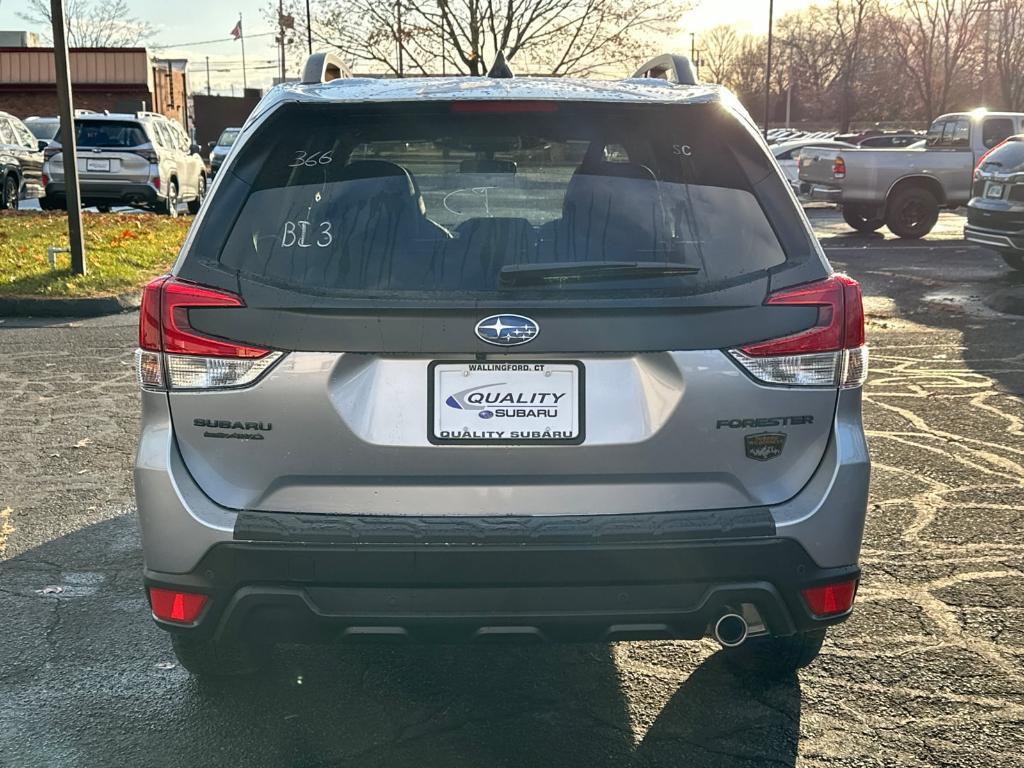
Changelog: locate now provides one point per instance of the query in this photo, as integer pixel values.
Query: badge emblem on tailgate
(764, 445)
(507, 330)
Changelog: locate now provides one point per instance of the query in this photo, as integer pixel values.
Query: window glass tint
(449, 201)
(7, 133)
(961, 133)
(43, 128)
(162, 136)
(996, 129)
(23, 135)
(227, 138)
(1009, 157)
(935, 133)
(109, 133)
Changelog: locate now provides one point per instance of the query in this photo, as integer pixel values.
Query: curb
(1010, 301)
(24, 306)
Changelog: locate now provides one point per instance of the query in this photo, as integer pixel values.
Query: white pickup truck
(904, 189)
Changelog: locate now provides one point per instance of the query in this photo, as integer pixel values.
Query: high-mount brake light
(503, 107)
(831, 353)
(173, 354)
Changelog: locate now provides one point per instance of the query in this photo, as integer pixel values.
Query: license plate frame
(97, 164)
(994, 190)
(434, 392)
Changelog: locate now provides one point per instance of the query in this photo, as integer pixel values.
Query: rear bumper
(994, 239)
(107, 193)
(820, 193)
(582, 589)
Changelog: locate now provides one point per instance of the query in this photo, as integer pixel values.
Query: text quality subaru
(455, 359)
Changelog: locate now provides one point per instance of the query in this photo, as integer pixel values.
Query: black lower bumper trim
(507, 529)
(596, 591)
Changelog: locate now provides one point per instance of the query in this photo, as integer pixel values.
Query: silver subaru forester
(466, 359)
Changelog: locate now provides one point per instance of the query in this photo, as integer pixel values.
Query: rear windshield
(108, 133)
(43, 129)
(1009, 157)
(486, 199)
(228, 137)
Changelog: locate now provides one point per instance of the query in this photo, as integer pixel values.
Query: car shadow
(86, 676)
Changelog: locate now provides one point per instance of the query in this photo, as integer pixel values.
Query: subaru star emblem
(507, 330)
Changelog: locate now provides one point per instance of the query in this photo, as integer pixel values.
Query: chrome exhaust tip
(730, 630)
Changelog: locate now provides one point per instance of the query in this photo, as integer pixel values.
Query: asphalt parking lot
(928, 672)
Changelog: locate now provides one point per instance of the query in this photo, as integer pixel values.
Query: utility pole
(309, 29)
(67, 137)
(207, 75)
(241, 39)
(280, 29)
(398, 13)
(693, 47)
(768, 70)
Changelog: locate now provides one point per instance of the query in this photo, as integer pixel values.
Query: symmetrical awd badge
(507, 330)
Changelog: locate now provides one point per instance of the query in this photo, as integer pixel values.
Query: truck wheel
(169, 206)
(208, 658)
(1013, 260)
(197, 203)
(776, 656)
(912, 213)
(860, 218)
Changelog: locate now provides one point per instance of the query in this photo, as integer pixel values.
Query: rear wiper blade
(589, 271)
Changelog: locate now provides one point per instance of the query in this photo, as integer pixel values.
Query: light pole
(768, 69)
(62, 69)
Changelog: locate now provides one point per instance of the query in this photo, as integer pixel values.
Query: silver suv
(467, 360)
(143, 160)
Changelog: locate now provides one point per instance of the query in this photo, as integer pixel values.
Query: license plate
(533, 401)
(993, 190)
(97, 165)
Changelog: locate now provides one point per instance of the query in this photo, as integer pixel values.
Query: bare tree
(719, 47)
(1009, 51)
(931, 40)
(557, 37)
(94, 23)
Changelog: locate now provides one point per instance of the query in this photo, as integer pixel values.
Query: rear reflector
(174, 354)
(179, 607)
(831, 353)
(830, 599)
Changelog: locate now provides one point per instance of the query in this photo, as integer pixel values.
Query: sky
(184, 26)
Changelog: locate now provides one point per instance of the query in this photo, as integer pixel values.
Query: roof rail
(143, 113)
(675, 69)
(324, 67)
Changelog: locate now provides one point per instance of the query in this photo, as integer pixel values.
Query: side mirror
(42, 144)
(211, 144)
(195, 149)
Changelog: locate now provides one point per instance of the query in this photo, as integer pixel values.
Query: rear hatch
(616, 253)
(114, 151)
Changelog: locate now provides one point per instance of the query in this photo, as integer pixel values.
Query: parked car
(787, 154)
(43, 128)
(995, 214)
(411, 378)
(143, 160)
(220, 148)
(21, 162)
(904, 189)
(890, 140)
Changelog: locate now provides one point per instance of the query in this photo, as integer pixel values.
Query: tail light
(174, 355)
(839, 168)
(45, 180)
(831, 353)
(830, 599)
(179, 607)
(148, 155)
(156, 182)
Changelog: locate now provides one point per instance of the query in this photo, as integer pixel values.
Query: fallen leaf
(83, 442)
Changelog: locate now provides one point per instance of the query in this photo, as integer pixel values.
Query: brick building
(115, 79)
